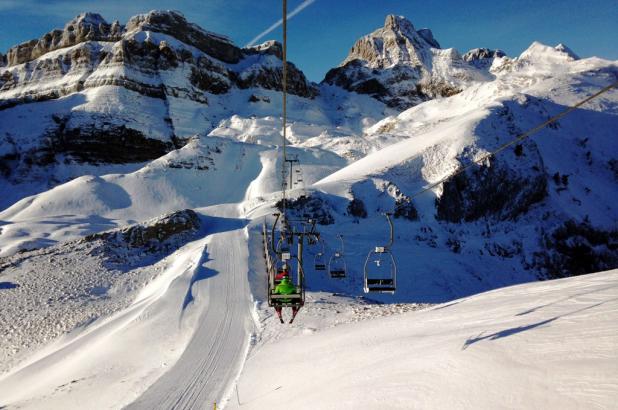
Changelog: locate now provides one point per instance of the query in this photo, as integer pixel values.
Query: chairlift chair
(319, 261)
(380, 270)
(296, 299)
(336, 265)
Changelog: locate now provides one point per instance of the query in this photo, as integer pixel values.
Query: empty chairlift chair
(336, 265)
(319, 261)
(380, 269)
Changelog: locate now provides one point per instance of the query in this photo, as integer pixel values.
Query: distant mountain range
(399, 112)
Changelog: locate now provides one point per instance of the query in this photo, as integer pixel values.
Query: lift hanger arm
(272, 234)
(390, 223)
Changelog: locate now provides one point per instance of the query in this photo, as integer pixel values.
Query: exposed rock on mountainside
(85, 27)
(403, 67)
(152, 235)
(174, 24)
(314, 206)
(474, 194)
(123, 95)
(154, 45)
(482, 57)
(576, 248)
(113, 145)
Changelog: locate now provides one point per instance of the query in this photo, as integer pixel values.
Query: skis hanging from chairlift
(380, 271)
(336, 265)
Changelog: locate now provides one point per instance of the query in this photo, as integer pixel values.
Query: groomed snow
(541, 345)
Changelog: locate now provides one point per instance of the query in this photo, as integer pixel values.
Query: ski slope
(187, 332)
(217, 349)
(540, 345)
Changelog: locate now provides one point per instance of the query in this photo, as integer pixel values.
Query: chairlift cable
(518, 139)
(284, 91)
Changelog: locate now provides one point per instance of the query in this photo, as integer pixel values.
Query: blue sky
(321, 35)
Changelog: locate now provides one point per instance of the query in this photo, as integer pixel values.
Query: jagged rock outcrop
(176, 25)
(2, 60)
(152, 235)
(115, 144)
(268, 47)
(315, 206)
(427, 35)
(402, 67)
(489, 191)
(132, 85)
(482, 58)
(85, 27)
(262, 68)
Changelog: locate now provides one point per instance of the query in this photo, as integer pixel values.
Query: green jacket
(285, 288)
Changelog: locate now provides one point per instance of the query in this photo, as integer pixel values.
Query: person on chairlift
(283, 272)
(286, 287)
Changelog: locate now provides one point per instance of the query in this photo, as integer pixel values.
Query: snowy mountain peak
(398, 23)
(397, 42)
(566, 50)
(403, 67)
(544, 54)
(86, 18)
(268, 47)
(175, 24)
(482, 58)
(84, 27)
(427, 35)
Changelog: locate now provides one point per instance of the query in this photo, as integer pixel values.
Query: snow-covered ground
(547, 345)
(192, 308)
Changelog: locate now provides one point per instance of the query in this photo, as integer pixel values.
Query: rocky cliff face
(116, 94)
(482, 58)
(402, 66)
(85, 27)
(174, 24)
(472, 195)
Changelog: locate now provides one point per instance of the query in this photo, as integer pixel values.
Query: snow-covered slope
(207, 171)
(542, 345)
(556, 184)
(181, 306)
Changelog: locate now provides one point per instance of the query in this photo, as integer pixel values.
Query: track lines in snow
(215, 354)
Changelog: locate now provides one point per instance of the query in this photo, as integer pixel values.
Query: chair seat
(380, 282)
(290, 296)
